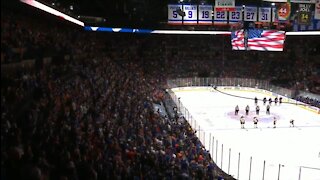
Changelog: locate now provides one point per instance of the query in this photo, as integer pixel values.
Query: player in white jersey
(274, 122)
(255, 122)
(242, 121)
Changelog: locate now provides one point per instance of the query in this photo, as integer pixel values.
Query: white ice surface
(285, 146)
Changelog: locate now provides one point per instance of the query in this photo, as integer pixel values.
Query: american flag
(237, 40)
(257, 39)
(265, 40)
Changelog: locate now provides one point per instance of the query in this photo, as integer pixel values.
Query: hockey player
(257, 109)
(255, 122)
(242, 121)
(291, 123)
(255, 100)
(280, 100)
(268, 109)
(274, 122)
(264, 100)
(236, 111)
(275, 101)
(270, 101)
(247, 110)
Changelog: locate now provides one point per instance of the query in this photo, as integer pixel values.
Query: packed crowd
(94, 117)
(308, 100)
(99, 122)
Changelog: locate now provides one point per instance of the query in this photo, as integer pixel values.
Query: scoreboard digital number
(250, 13)
(205, 15)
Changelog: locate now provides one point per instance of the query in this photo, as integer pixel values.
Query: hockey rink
(284, 152)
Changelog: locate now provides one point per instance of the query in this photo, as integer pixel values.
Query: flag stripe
(237, 40)
(264, 45)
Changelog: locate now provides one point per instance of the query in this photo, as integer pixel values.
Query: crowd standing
(93, 116)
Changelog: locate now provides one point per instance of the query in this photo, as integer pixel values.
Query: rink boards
(248, 89)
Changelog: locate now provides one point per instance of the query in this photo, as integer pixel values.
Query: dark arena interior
(84, 105)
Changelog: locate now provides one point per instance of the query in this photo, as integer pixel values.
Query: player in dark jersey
(280, 100)
(268, 109)
(255, 100)
(257, 109)
(247, 110)
(264, 100)
(291, 123)
(274, 122)
(270, 101)
(236, 111)
(275, 101)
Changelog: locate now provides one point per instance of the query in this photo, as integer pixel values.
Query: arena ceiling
(127, 12)
(130, 13)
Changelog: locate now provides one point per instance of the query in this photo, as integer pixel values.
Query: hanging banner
(173, 16)
(225, 5)
(220, 17)
(264, 14)
(236, 15)
(274, 15)
(205, 15)
(250, 13)
(191, 14)
(317, 10)
(304, 14)
(283, 11)
(314, 25)
(303, 1)
(276, 1)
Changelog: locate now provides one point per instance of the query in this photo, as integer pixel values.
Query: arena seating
(93, 115)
